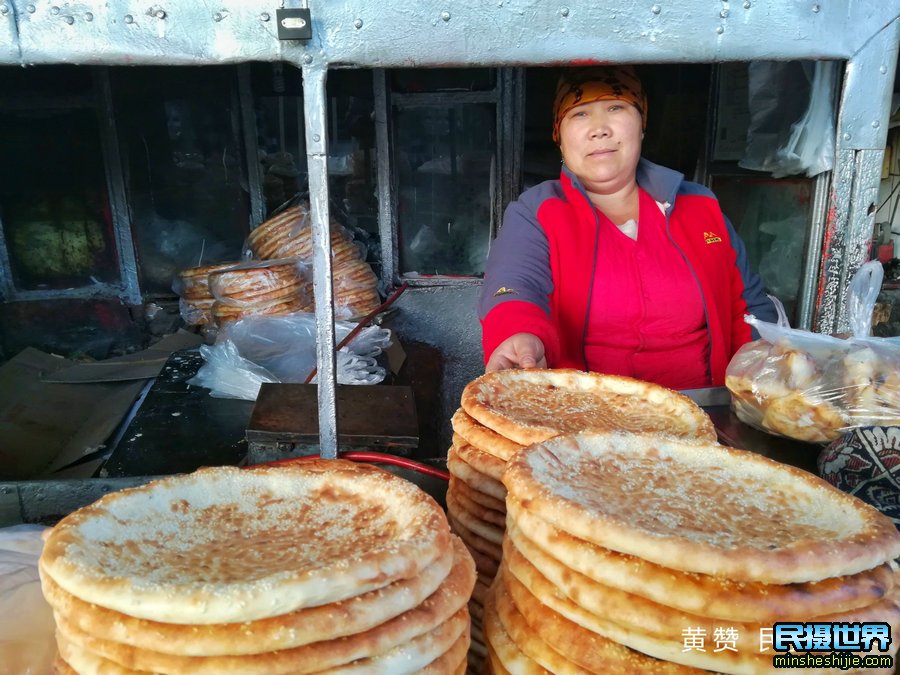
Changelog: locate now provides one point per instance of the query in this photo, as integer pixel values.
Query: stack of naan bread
(285, 237)
(289, 234)
(321, 566)
(196, 299)
(503, 412)
(268, 288)
(640, 553)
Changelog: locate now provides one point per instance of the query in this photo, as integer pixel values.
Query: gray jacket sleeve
(518, 265)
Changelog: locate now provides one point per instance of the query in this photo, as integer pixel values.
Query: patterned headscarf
(597, 83)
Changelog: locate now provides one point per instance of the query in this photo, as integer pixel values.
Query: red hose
(369, 456)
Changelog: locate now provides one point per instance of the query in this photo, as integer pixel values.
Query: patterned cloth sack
(865, 462)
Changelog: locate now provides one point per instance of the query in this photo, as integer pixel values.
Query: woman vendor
(621, 266)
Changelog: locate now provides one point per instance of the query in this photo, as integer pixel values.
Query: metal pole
(387, 212)
(861, 137)
(811, 262)
(251, 145)
(118, 200)
(314, 103)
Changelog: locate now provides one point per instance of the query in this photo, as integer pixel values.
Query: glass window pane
(351, 146)
(53, 200)
(411, 80)
(278, 100)
(444, 165)
(180, 136)
(45, 81)
(772, 216)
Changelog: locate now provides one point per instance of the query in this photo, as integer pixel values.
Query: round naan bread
(227, 545)
(481, 461)
(697, 593)
(474, 478)
(562, 645)
(479, 436)
(529, 406)
(503, 653)
(652, 618)
(286, 631)
(700, 507)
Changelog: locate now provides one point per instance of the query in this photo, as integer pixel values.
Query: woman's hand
(522, 350)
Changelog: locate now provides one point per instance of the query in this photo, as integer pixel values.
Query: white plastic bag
(27, 643)
(777, 140)
(810, 149)
(228, 374)
(261, 349)
(815, 387)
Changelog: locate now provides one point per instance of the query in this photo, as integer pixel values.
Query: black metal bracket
(293, 24)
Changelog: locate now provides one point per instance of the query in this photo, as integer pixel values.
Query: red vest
(694, 225)
(646, 318)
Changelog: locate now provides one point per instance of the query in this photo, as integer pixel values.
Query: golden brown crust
(60, 667)
(806, 419)
(471, 494)
(410, 657)
(474, 541)
(533, 405)
(698, 593)
(527, 586)
(452, 661)
(503, 653)
(296, 536)
(473, 523)
(253, 278)
(285, 631)
(473, 478)
(627, 610)
(482, 438)
(530, 644)
(562, 645)
(443, 617)
(291, 220)
(479, 460)
(487, 515)
(663, 500)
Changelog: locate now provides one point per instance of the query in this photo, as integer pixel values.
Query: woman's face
(601, 144)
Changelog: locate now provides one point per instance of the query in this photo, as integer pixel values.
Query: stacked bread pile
(640, 553)
(323, 566)
(289, 234)
(504, 411)
(196, 300)
(255, 288)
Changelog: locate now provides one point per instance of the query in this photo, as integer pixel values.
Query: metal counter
(180, 428)
(734, 433)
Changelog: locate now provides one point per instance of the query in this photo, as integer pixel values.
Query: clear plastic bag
(261, 349)
(814, 387)
(195, 299)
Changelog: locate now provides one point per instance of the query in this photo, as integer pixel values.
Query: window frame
(508, 97)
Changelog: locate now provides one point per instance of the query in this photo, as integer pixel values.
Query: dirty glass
(180, 137)
(444, 166)
(772, 216)
(53, 194)
(414, 80)
(281, 145)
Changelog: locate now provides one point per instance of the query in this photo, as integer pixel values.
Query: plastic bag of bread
(195, 299)
(814, 387)
(269, 287)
